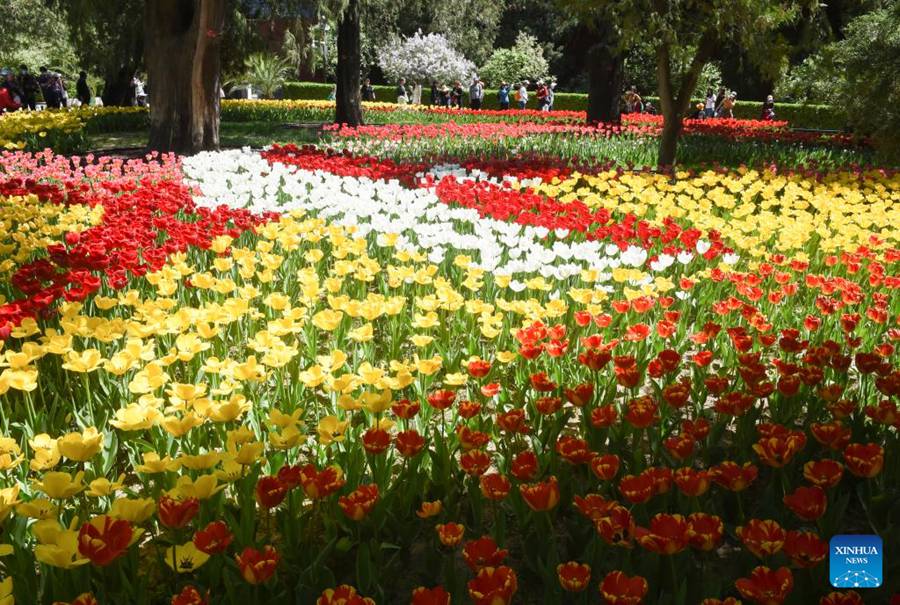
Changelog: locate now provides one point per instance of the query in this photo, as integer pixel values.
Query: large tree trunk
(675, 106)
(182, 43)
(348, 104)
(606, 71)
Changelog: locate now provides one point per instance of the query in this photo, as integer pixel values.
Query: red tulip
(619, 589)
(766, 586)
(360, 502)
(257, 566)
(270, 491)
(176, 514)
(808, 503)
(430, 596)
(493, 586)
(214, 538)
(104, 539)
(483, 552)
(573, 576)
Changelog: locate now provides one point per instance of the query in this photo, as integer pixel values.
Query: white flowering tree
(422, 58)
(525, 60)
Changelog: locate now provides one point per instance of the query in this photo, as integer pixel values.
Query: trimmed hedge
(798, 116)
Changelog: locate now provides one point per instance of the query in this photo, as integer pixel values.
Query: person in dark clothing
(30, 87)
(457, 95)
(368, 91)
(82, 90)
(402, 92)
(435, 93)
(45, 81)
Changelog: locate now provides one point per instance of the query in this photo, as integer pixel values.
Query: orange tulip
(541, 496)
(450, 534)
(762, 537)
(343, 595)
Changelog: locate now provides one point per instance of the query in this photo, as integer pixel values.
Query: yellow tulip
(9, 497)
(6, 592)
(133, 510)
(84, 362)
(103, 487)
(201, 488)
(59, 485)
(185, 558)
(197, 462)
(154, 464)
(331, 429)
(39, 508)
(80, 447)
(57, 546)
(377, 402)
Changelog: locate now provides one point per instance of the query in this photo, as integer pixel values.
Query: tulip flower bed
(306, 377)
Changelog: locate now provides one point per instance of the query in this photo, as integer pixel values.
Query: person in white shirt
(709, 110)
(522, 94)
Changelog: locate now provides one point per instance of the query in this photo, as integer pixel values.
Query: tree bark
(182, 41)
(674, 107)
(606, 71)
(348, 104)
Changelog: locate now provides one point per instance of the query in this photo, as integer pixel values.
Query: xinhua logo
(855, 561)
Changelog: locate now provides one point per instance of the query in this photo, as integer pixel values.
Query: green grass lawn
(231, 134)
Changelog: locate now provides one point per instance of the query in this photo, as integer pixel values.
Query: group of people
(718, 105)
(25, 89)
(443, 95)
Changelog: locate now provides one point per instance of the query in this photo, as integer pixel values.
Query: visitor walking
(709, 109)
(541, 95)
(30, 87)
(368, 91)
(82, 89)
(446, 96)
(768, 109)
(476, 94)
(503, 96)
(551, 96)
(402, 92)
(522, 94)
(727, 109)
